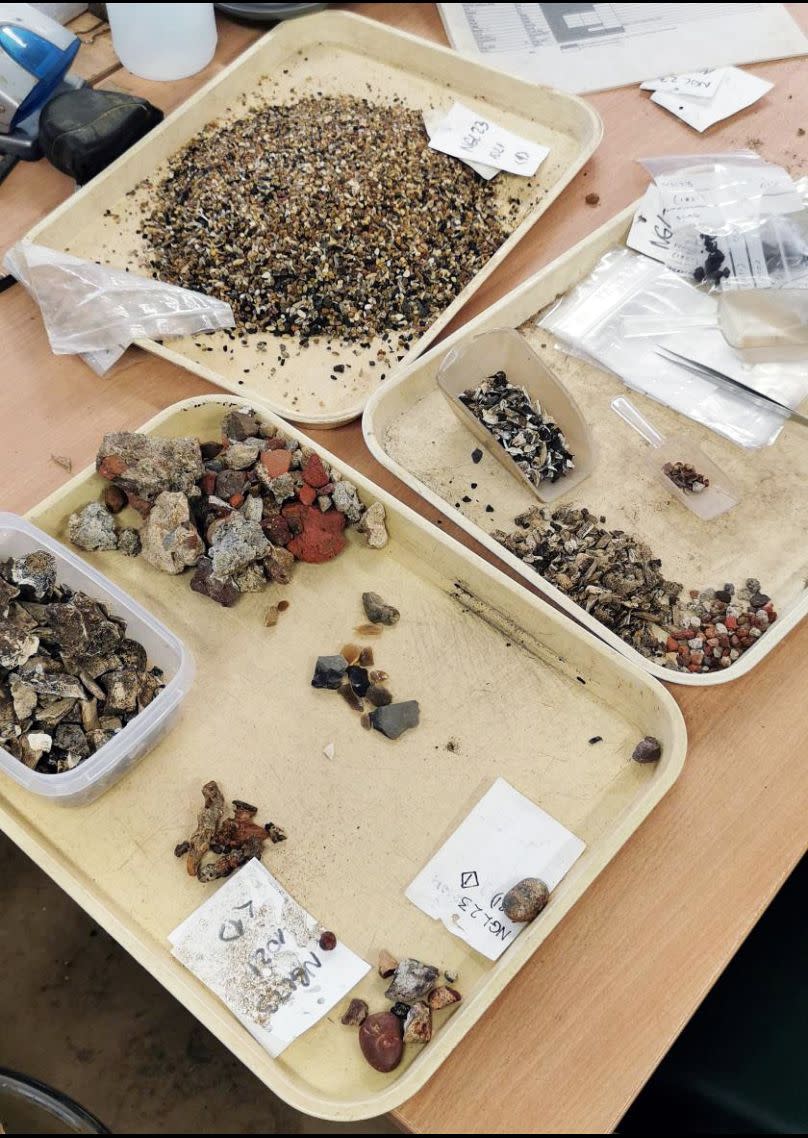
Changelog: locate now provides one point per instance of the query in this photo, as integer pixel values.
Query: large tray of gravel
(517, 686)
(329, 53)
(411, 430)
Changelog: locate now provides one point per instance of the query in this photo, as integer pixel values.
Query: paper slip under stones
(254, 946)
(504, 839)
(474, 138)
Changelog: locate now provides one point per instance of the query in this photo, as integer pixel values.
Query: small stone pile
(240, 510)
(70, 678)
(415, 992)
(720, 626)
(234, 840)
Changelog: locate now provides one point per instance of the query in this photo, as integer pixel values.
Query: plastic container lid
(109, 763)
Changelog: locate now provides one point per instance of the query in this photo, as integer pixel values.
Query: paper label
(738, 89)
(432, 120)
(254, 946)
(468, 134)
(504, 839)
(695, 84)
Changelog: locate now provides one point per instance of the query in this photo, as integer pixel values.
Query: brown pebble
(366, 657)
(368, 629)
(592, 199)
(355, 1014)
(443, 997)
(114, 499)
(350, 652)
(381, 1041)
(365, 721)
(271, 616)
(181, 849)
(418, 1024)
(283, 606)
(525, 900)
(378, 695)
(387, 964)
(648, 750)
(327, 941)
(351, 698)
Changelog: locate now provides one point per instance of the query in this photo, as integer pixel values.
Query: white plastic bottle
(163, 41)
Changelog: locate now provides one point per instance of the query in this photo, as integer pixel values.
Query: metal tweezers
(736, 384)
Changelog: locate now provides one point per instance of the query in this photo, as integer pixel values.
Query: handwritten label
(254, 946)
(737, 90)
(467, 134)
(505, 838)
(432, 120)
(694, 84)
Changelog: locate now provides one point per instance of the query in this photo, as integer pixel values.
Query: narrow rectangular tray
(409, 429)
(516, 688)
(329, 53)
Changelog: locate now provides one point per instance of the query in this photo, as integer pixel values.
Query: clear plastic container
(109, 763)
(163, 41)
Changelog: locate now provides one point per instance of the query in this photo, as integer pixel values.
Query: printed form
(592, 47)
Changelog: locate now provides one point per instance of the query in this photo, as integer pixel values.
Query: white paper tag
(464, 133)
(254, 946)
(504, 839)
(432, 120)
(694, 84)
(738, 89)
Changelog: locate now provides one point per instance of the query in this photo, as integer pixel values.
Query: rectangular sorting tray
(331, 53)
(518, 689)
(412, 432)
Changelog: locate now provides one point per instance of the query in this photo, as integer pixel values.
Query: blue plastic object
(40, 58)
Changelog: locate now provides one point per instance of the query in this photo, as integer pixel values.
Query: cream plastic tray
(413, 433)
(333, 53)
(516, 687)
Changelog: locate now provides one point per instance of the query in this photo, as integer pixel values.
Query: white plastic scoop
(719, 493)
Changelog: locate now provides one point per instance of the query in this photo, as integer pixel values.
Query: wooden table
(574, 1037)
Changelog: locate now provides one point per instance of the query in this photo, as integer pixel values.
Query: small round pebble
(328, 941)
(381, 1041)
(649, 749)
(525, 900)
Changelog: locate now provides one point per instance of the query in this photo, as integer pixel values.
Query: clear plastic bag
(737, 221)
(97, 311)
(625, 287)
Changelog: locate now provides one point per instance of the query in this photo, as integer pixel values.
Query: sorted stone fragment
(525, 900)
(648, 750)
(443, 997)
(327, 941)
(92, 528)
(329, 672)
(181, 849)
(114, 498)
(378, 611)
(380, 1038)
(366, 658)
(355, 1014)
(358, 679)
(34, 573)
(378, 695)
(351, 698)
(237, 544)
(351, 652)
(16, 645)
(368, 630)
(346, 224)
(372, 524)
(387, 964)
(250, 579)
(346, 499)
(145, 465)
(365, 721)
(239, 456)
(271, 616)
(532, 438)
(206, 582)
(328, 750)
(206, 824)
(396, 718)
(412, 980)
(129, 541)
(72, 742)
(170, 540)
(451, 977)
(239, 425)
(400, 1010)
(418, 1024)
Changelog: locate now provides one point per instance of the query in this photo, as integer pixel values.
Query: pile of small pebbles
(239, 510)
(718, 626)
(351, 672)
(609, 573)
(220, 845)
(686, 477)
(533, 440)
(330, 216)
(415, 992)
(70, 678)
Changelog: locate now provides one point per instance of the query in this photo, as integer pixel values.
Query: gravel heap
(331, 216)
